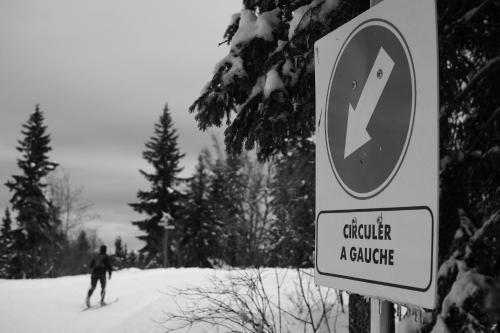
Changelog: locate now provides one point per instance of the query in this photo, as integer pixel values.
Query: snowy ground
(55, 305)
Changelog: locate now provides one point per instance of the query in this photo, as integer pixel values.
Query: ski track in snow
(56, 305)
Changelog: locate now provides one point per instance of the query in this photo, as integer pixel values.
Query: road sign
(377, 154)
(370, 108)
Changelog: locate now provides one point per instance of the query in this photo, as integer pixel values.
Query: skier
(99, 265)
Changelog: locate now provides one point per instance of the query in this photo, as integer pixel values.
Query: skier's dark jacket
(100, 264)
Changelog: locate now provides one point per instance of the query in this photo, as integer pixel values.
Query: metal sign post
(381, 316)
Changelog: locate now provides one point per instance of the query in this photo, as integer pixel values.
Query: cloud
(102, 72)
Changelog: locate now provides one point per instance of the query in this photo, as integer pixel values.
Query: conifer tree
(80, 254)
(82, 243)
(264, 87)
(38, 234)
(163, 154)
(293, 192)
(221, 204)
(227, 196)
(200, 229)
(120, 254)
(132, 259)
(140, 260)
(240, 202)
(239, 197)
(118, 247)
(5, 244)
(6, 224)
(469, 217)
(256, 219)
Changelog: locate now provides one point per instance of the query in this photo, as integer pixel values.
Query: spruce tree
(118, 246)
(132, 259)
(240, 202)
(163, 154)
(140, 260)
(228, 195)
(119, 257)
(82, 243)
(5, 244)
(78, 256)
(37, 237)
(293, 193)
(221, 205)
(469, 217)
(264, 87)
(199, 228)
(6, 225)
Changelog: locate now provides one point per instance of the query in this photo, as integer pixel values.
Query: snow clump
(236, 69)
(273, 82)
(252, 26)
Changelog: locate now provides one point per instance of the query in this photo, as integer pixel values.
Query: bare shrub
(255, 300)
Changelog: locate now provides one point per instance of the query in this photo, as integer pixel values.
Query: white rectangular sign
(377, 154)
(364, 245)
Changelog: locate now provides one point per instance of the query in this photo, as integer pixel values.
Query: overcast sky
(102, 72)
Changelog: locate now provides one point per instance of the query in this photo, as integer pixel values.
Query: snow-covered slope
(55, 305)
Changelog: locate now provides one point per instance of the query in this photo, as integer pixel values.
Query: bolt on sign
(377, 154)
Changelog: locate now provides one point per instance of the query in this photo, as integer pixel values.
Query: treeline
(42, 233)
(233, 211)
(122, 258)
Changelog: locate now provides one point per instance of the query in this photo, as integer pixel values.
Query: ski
(98, 305)
(89, 307)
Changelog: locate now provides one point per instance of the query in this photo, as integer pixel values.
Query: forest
(232, 212)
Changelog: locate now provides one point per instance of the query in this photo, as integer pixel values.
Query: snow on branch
(302, 15)
(252, 26)
(467, 302)
(273, 82)
(258, 81)
(234, 69)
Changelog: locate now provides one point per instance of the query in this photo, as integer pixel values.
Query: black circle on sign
(368, 170)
